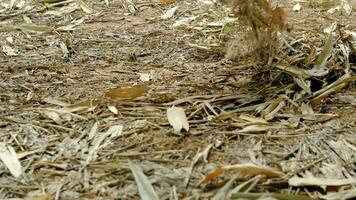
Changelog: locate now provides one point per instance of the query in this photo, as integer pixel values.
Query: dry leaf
(253, 119)
(9, 158)
(211, 175)
(293, 70)
(169, 13)
(143, 184)
(145, 77)
(337, 85)
(167, 1)
(9, 51)
(314, 181)
(307, 112)
(177, 119)
(227, 116)
(256, 128)
(273, 108)
(243, 169)
(297, 7)
(53, 115)
(252, 170)
(113, 109)
(94, 130)
(127, 93)
(84, 7)
(33, 28)
(183, 22)
(45, 196)
(56, 102)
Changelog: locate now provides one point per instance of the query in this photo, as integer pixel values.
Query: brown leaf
(252, 170)
(226, 116)
(210, 176)
(127, 93)
(243, 169)
(167, 1)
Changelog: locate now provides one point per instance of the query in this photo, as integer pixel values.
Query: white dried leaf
(341, 194)
(64, 10)
(84, 7)
(169, 13)
(113, 109)
(72, 26)
(56, 102)
(351, 33)
(297, 7)
(115, 131)
(29, 96)
(304, 84)
(53, 115)
(9, 51)
(183, 22)
(314, 181)
(273, 109)
(144, 185)
(94, 130)
(307, 112)
(27, 20)
(330, 28)
(145, 77)
(223, 22)
(64, 48)
(177, 119)
(207, 2)
(10, 39)
(256, 128)
(9, 158)
(333, 10)
(20, 4)
(351, 99)
(12, 3)
(346, 7)
(317, 72)
(252, 119)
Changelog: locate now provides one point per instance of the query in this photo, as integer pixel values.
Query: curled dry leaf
(177, 119)
(243, 169)
(127, 93)
(274, 107)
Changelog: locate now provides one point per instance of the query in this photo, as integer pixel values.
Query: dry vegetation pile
(130, 99)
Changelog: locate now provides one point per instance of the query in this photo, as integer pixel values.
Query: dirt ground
(73, 127)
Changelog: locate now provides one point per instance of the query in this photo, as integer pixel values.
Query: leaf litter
(266, 90)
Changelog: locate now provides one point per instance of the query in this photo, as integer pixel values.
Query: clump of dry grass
(264, 21)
